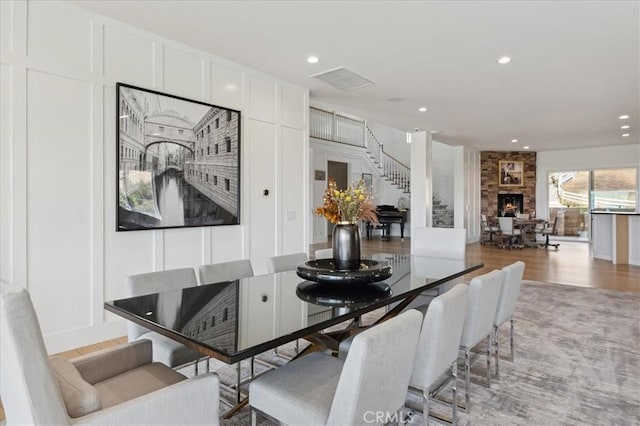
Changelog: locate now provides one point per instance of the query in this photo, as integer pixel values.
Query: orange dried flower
(350, 205)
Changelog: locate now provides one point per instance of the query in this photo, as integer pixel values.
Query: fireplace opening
(509, 205)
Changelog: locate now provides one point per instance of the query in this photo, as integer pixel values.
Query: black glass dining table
(236, 320)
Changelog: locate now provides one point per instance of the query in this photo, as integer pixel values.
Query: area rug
(577, 362)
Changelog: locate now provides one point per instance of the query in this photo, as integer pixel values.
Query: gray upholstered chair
(488, 230)
(114, 386)
(165, 350)
(286, 262)
(225, 271)
(507, 304)
(320, 389)
(510, 236)
(444, 243)
(482, 302)
(438, 346)
(549, 230)
(326, 253)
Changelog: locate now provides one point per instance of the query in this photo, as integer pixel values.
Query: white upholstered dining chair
(438, 346)
(114, 386)
(444, 243)
(482, 302)
(225, 271)
(285, 262)
(319, 389)
(165, 350)
(507, 304)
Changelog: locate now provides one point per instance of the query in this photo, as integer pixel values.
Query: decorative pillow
(80, 397)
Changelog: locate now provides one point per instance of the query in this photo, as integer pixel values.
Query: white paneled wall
(59, 66)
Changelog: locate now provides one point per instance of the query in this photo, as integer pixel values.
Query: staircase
(336, 127)
(391, 169)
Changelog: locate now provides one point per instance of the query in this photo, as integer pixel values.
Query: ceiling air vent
(343, 79)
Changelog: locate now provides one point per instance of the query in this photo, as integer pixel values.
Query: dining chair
(285, 262)
(320, 389)
(225, 271)
(507, 304)
(549, 230)
(444, 243)
(488, 230)
(115, 386)
(326, 253)
(165, 350)
(509, 235)
(482, 303)
(438, 347)
(282, 263)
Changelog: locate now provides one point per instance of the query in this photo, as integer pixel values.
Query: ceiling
(575, 64)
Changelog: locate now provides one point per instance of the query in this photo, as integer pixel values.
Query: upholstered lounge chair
(115, 386)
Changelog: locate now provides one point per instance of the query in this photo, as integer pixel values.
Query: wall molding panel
(59, 65)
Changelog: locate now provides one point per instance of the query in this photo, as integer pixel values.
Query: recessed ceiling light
(504, 60)
(422, 109)
(623, 117)
(625, 135)
(626, 126)
(313, 59)
(526, 147)
(514, 140)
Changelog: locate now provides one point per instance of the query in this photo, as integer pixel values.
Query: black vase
(346, 246)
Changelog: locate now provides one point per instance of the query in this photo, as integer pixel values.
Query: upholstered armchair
(115, 386)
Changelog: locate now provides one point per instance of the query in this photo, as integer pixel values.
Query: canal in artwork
(180, 204)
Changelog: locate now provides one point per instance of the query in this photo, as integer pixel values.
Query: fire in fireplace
(510, 204)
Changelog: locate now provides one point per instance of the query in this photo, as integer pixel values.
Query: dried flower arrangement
(349, 205)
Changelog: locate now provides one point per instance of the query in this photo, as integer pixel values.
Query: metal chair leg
(454, 406)
(496, 345)
(511, 339)
(467, 385)
(489, 360)
(425, 406)
(254, 417)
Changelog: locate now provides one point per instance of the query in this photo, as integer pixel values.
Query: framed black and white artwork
(178, 161)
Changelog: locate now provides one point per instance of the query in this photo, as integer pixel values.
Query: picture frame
(367, 178)
(320, 175)
(510, 173)
(177, 161)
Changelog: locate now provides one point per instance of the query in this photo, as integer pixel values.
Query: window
(228, 141)
(227, 184)
(225, 314)
(228, 115)
(213, 321)
(215, 180)
(208, 128)
(217, 123)
(181, 131)
(207, 177)
(208, 153)
(216, 149)
(204, 325)
(161, 128)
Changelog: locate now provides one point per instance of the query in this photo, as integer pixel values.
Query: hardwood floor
(571, 265)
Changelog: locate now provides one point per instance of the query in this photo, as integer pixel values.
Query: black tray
(325, 271)
(351, 296)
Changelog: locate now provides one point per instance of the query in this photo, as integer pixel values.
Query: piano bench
(385, 227)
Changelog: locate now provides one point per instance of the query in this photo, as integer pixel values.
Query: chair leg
(425, 406)
(496, 345)
(489, 360)
(196, 366)
(454, 406)
(511, 339)
(254, 417)
(467, 379)
(238, 380)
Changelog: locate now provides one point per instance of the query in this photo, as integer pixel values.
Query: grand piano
(388, 215)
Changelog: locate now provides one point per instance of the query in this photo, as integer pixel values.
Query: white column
(421, 191)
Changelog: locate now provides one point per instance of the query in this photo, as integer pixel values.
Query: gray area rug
(577, 356)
